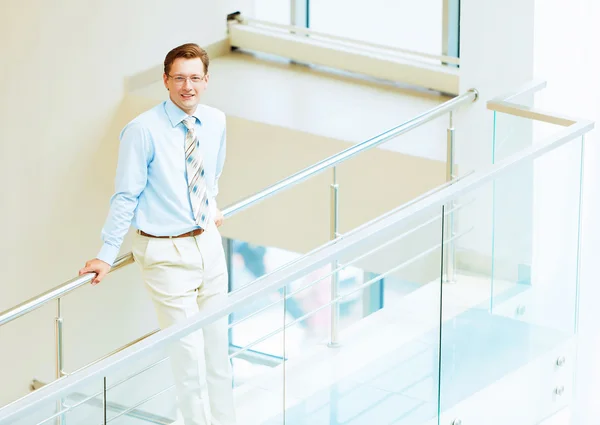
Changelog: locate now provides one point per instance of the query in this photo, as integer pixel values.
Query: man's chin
(187, 104)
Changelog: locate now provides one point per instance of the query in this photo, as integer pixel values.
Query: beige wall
(63, 67)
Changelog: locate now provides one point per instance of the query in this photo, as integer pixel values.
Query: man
(170, 160)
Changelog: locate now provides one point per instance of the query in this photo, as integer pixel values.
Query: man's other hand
(99, 267)
(219, 218)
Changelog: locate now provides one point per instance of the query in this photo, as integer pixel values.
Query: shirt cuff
(108, 254)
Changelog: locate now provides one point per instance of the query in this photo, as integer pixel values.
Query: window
(426, 26)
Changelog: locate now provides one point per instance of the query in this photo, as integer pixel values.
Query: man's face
(186, 82)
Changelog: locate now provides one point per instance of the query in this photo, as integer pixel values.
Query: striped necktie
(195, 174)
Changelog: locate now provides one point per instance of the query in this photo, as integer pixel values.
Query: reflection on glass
(305, 297)
(308, 320)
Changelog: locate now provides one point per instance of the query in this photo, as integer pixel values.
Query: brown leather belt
(196, 232)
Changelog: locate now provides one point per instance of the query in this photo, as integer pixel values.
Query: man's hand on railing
(96, 266)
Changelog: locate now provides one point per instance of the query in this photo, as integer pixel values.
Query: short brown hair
(188, 51)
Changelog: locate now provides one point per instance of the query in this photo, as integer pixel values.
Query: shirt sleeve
(219, 167)
(135, 154)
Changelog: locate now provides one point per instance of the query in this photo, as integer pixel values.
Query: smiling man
(170, 160)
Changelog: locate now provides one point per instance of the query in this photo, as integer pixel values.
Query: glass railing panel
(146, 393)
(466, 296)
(151, 411)
(379, 360)
(555, 254)
(84, 410)
(189, 377)
(257, 351)
(256, 341)
(543, 249)
(512, 225)
(382, 366)
(71, 408)
(508, 330)
(303, 296)
(149, 392)
(512, 133)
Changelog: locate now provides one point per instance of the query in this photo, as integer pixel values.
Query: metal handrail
(69, 286)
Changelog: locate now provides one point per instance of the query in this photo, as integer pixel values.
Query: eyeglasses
(180, 79)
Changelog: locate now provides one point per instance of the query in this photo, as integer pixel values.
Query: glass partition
(250, 324)
(509, 330)
(495, 344)
(70, 408)
(512, 133)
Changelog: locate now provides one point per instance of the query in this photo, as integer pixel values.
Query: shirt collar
(176, 115)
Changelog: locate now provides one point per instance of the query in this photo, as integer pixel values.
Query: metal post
(104, 402)
(450, 257)
(59, 367)
(58, 328)
(228, 249)
(335, 314)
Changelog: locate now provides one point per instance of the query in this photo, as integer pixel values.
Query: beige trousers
(183, 276)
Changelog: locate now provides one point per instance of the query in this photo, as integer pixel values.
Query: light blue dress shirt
(151, 191)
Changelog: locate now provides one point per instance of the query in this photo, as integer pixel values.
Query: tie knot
(189, 123)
